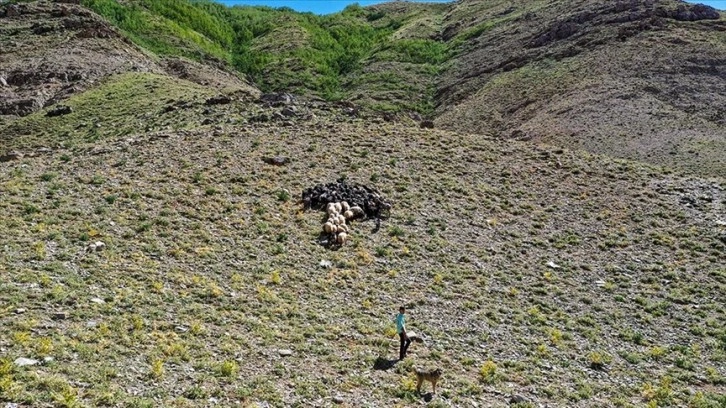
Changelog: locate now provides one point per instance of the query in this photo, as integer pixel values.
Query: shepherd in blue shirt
(401, 328)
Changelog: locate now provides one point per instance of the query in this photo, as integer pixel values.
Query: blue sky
(331, 6)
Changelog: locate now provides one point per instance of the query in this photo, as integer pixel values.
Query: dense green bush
(316, 57)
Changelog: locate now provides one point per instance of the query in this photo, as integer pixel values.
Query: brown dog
(431, 376)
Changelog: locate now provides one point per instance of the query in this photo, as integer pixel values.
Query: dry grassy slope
(612, 78)
(210, 269)
(52, 51)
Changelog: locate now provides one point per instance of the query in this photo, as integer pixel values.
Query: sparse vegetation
(525, 267)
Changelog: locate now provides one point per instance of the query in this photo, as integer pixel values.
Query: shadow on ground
(384, 364)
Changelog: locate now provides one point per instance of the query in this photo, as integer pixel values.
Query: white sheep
(340, 239)
(342, 228)
(357, 211)
(348, 214)
(345, 206)
(329, 227)
(338, 207)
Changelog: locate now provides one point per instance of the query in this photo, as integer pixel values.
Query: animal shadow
(384, 364)
(428, 396)
(328, 241)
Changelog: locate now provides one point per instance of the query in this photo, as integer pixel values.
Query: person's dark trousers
(405, 342)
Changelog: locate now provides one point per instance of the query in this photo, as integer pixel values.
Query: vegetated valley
(555, 169)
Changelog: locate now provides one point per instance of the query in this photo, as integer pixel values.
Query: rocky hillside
(155, 250)
(642, 80)
(178, 267)
(53, 50)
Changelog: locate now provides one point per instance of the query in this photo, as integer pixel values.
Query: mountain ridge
(560, 73)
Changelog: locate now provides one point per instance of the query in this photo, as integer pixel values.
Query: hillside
(561, 277)
(644, 80)
(54, 50)
(154, 252)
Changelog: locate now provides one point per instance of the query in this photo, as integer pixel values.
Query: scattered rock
(426, 124)
(3, 82)
(22, 362)
(284, 352)
(277, 99)
(12, 11)
(219, 100)
(553, 265)
(96, 246)
(517, 399)
(261, 118)
(598, 365)
(59, 111)
(60, 316)
(48, 359)
(12, 155)
(389, 117)
(276, 160)
(338, 399)
(325, 264)
(97, 301)
(414, 336)
(289, 111)
(20, 310)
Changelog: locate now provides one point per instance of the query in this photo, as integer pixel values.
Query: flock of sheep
(338, 214)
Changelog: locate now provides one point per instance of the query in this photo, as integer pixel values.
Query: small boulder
(22, 362)
(276, 160)
(3, 82)
(12, 155)
(553, 265)
(517, 399)
(277, 99)
(284, 352)
(219, 100)
(60, 316)
(289, 111)
(427, 124)
(59, 111)
(96, 246)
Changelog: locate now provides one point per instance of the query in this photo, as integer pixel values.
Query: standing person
(401, 328)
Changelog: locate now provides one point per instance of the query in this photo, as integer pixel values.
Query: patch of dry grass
(207, 274)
